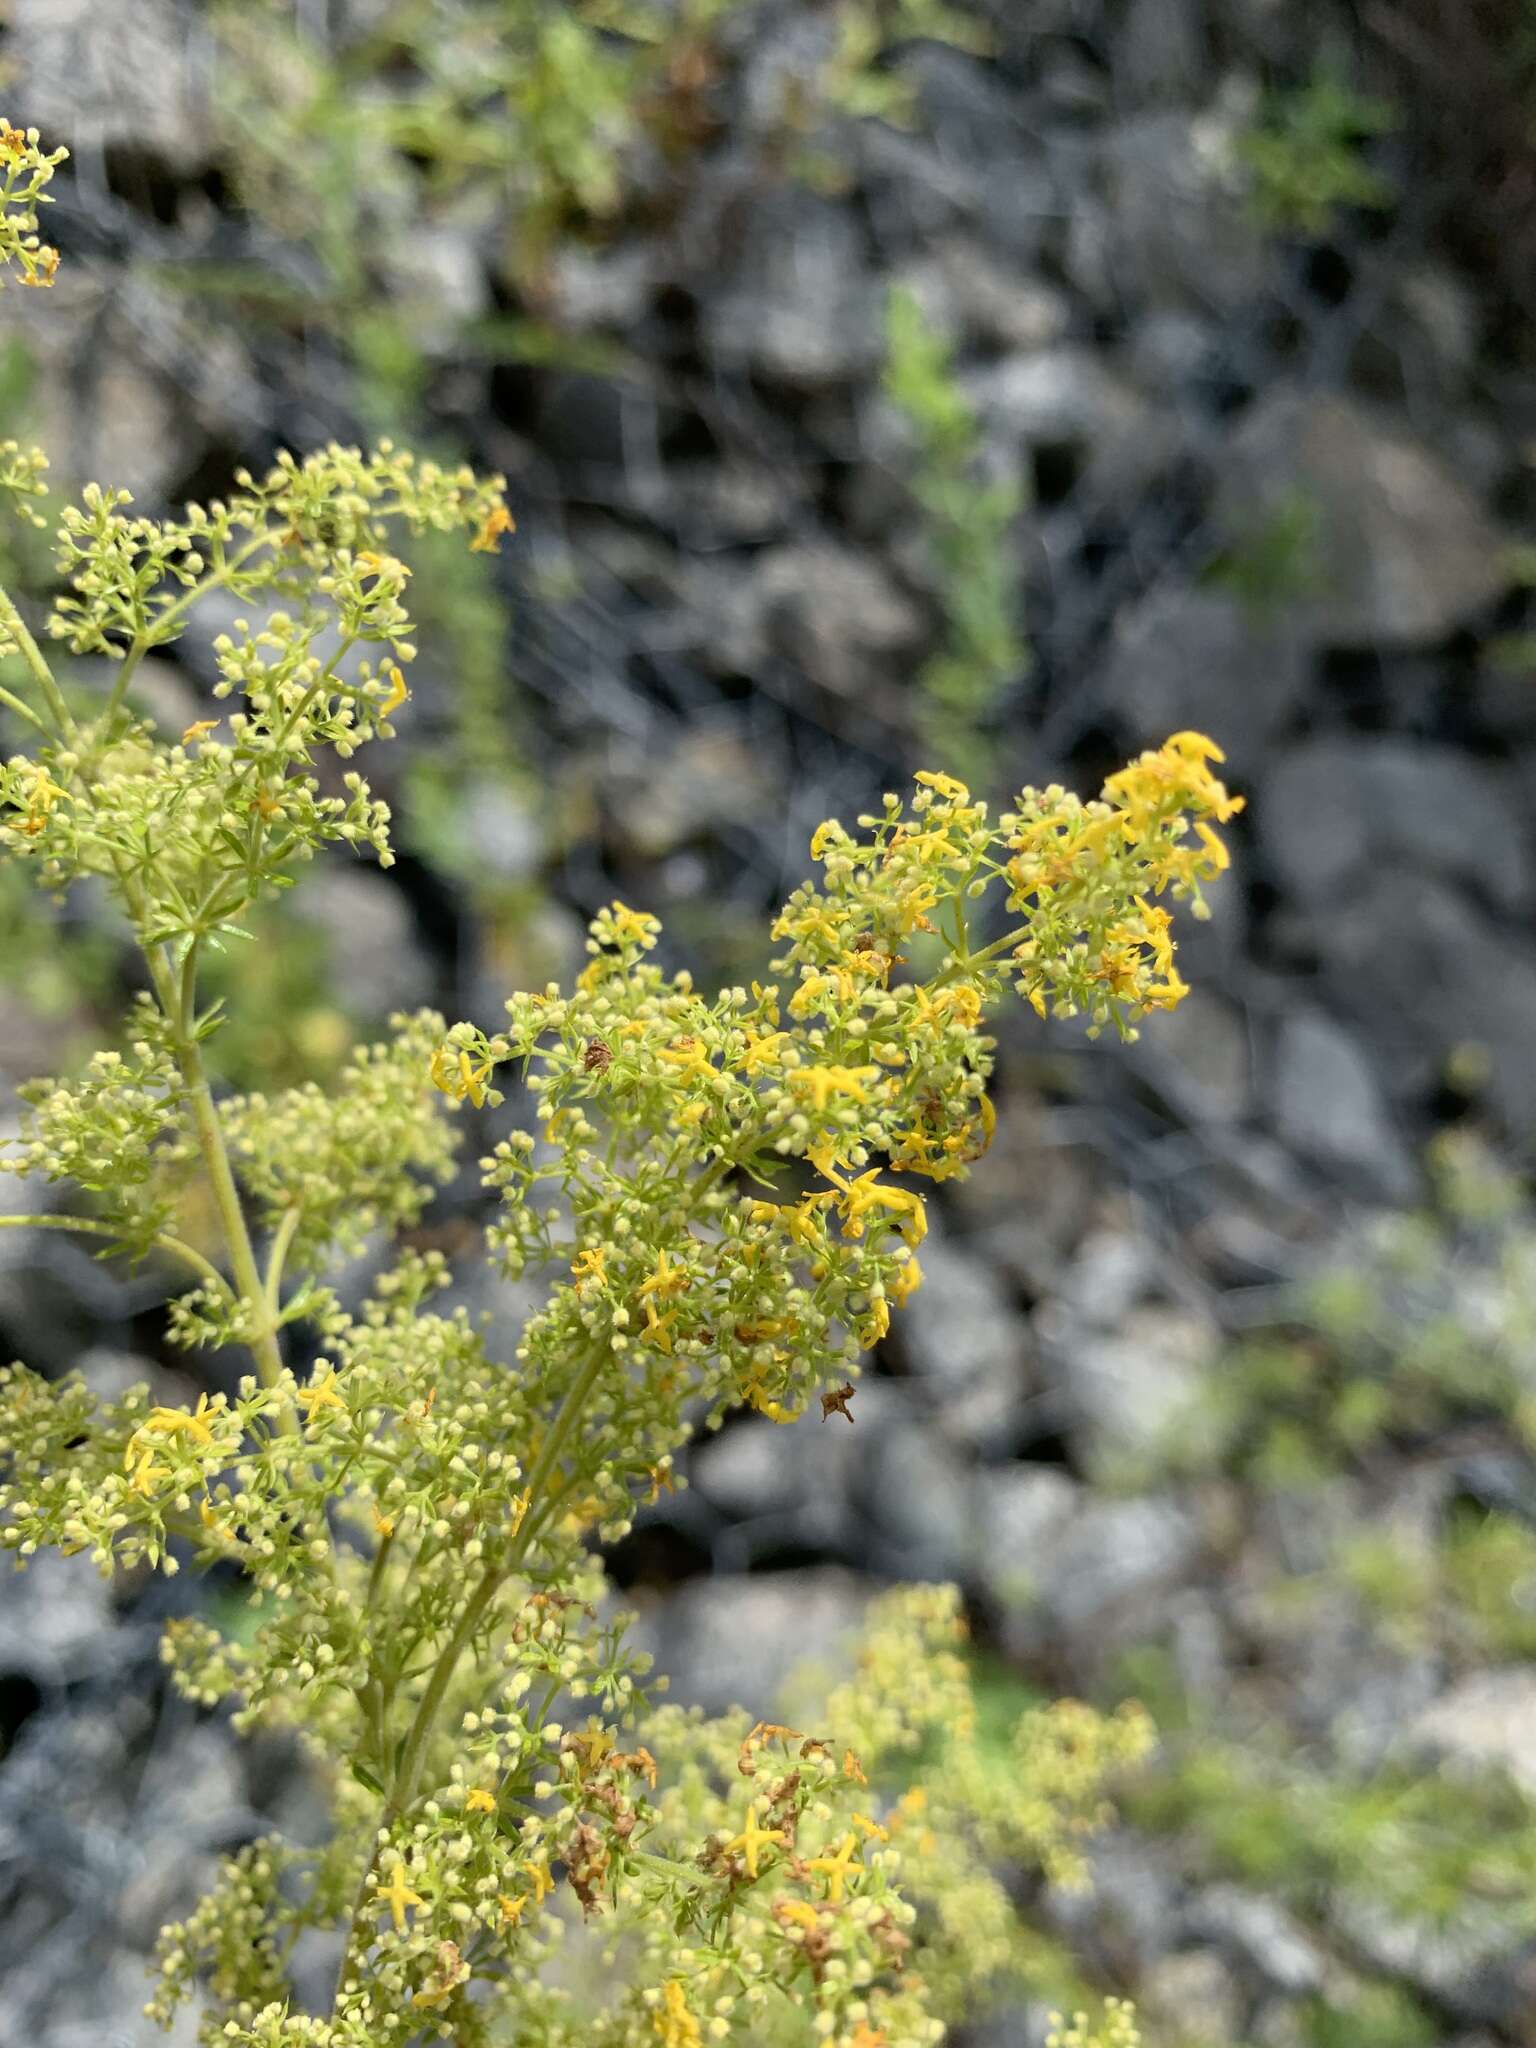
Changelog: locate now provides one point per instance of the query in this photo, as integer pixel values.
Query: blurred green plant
(1422, 1326)
(1307, 155)
(1276, 561)
(969, 525)
(532, 120)
(1419, 1336)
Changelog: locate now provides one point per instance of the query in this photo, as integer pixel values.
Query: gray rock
(830, 610)
(918, 1497)
(1425, 976)
(750, 1469)
(1111, 1271)
(1328, 1105)
(1262, 1935)
(704, 784)
(732, 1640)
(1157, 52)
(995, 302)
(1191, 1996)
(436, 279)
(55, 1619)
(1108, 1565)
(1021, 1510)
(1184, 657)
(143, 87)
(1336, 811)
(1176, 231)
(1199, 1055)
(798, 302)
(962, 1334)
(1404, 553)
(1173, 353)
(1129, 1911)
(1060, 396)
(506, 828)
(1469, 1966)
(600, 287)
(1128, 1389)
(375, 958)
(1487, 1718)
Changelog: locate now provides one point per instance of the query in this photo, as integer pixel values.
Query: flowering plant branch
(719, 1194)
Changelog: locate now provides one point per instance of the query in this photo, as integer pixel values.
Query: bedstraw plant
(720, 1196)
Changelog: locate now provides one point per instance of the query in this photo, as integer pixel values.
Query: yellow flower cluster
(1084, 874)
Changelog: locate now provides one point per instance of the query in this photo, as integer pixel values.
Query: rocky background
(1275, 482)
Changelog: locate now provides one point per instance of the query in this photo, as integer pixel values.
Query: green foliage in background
(1277, 561)
(1416, 1336)
(1307, 155)
(970, 530)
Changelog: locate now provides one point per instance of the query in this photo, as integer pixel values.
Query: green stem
(277, 1258)
(666, 1866)
(178, 1004)
(413, 1752)
(205, 1270)
(14, 624)
(23, 710)
(987, 954)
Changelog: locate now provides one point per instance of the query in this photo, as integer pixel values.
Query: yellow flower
(638, 925)
(480, 1801)
(512, 1910)
(761, 1051)
(212, 1523)
(943, 785)
(822, 1083)
(877, 1323)
(198, 730)
(591, 1264)
(664, 1278)
(398, 693)
(145, 1474)
(467, 1078)
(374, 566)
(835, 1868)
(689, 1057)
(319, 1395)
(798, 1914)
(757, 1396)
(872, 1828)
(908, 1279)
(673, 2023)
(869, 1194)
(595, 1744)
(543, 1883)
(179, 1422)
(752, 1838)
(397, 1895)
(495, 523)
(1194, 746)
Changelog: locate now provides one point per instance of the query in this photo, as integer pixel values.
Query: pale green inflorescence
(719, 1196)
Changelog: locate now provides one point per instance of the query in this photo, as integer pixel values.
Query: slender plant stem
(14, 624)
(88, 1226)
(140, 644)
(23, 710)
(982, 959)
(177, 1002)
(277, 1258)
